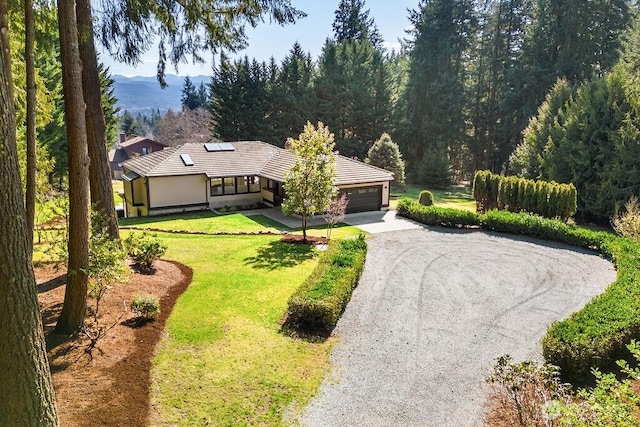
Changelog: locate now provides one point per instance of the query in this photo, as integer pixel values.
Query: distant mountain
(143, 94)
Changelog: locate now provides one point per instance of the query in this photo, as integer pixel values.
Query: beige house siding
(235, 200)
(385, 190)
(166, 191)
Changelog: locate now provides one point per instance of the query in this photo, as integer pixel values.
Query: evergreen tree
(290, 94)
(385, 154)
(352, 85)
(25, 379)
(189, 95)
(352, 23)
(129, 125)
(434, 96)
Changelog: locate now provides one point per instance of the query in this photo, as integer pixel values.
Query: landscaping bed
(109, 387)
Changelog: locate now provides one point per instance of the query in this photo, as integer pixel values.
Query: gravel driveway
(434, 308)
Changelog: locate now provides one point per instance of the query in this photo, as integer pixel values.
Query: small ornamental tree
(385, 154)
(309, 183)
(336, 212)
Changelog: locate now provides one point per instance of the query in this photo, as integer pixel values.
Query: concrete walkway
(371, 222)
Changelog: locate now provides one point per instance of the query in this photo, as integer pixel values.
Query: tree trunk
(26, 391)
(30, 195)
(99, 172)
(75, 297)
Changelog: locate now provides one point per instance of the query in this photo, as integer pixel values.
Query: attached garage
(362, 199)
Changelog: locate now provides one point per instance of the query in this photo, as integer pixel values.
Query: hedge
(596, 335)
(548, 199)
(317, 304)
(426, 198)
(433, 215)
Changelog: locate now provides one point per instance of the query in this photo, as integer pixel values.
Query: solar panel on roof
(211, 146)
(186, 159)
(226, 146)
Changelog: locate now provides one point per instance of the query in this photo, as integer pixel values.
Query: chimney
(123, 137)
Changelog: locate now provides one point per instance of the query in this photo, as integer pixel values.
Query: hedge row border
(315, 307)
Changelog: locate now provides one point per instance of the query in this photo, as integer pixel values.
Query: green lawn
(210, 222)
(224, 361)
(453, 197)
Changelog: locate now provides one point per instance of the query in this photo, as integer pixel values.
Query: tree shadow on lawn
(276, 255)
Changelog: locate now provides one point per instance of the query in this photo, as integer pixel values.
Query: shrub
(426, 198)
(144, 249)
(527, 394)
(432, 215)
(146, 306)
(317, 305)
(514, 194)
(627, 223)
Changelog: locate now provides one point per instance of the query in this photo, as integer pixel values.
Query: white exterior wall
(165, 191)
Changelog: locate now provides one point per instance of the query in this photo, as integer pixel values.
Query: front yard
(224, 360)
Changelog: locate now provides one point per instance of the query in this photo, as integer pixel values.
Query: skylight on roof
(186, 159)
(213, 147)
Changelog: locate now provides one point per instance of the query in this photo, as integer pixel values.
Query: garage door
(363, 199)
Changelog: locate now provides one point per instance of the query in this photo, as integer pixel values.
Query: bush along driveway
(432, 311)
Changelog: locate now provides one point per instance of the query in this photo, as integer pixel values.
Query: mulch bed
(298, 239)
(111, 386)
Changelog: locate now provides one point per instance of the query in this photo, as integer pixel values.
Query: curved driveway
(433, 309)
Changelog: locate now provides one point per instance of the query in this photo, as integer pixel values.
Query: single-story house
(216, 175)
(130, 148)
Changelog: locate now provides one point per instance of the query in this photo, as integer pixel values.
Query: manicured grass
(453, 197)
(210, 222)
(224, 360)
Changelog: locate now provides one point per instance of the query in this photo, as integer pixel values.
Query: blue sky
(268, 40)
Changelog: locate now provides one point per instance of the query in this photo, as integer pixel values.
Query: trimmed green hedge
(548, 199)
(317, 305)
(596, 335)
(426, 198)
(432, 215)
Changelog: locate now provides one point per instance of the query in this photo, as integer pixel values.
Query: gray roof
(248, 158)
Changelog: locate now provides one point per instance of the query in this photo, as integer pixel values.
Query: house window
(216, 186)
(235, 185)
(145, 150)
(242, 184)
(254, 184)
(270, 184)
(229, 185)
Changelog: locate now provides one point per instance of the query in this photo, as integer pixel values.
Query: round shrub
(144, 249)
(426, 198)
(146, 306)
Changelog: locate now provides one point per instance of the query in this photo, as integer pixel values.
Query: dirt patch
(299, 239)
(112, 387)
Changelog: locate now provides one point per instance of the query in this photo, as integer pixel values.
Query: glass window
(145, 150)
(269, 184)
(243, 185)
(229, 185)
(216, 187)
(254, 184)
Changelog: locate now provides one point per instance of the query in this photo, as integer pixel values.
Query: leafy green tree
(385, 154)
(310, 182)
(25, 380)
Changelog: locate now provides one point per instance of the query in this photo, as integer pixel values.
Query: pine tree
(434, 95)
(385, 154)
